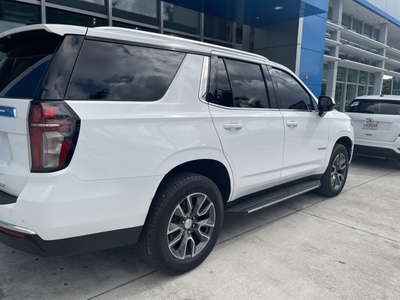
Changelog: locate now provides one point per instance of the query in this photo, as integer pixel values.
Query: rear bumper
(58, 206)
(376, 151)
(33, 244)
(378, 148)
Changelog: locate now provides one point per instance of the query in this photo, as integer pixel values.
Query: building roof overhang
(256, 13)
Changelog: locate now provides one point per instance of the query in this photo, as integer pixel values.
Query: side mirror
(325, 104)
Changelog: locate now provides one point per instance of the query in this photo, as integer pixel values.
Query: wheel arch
(347, 143)
(212, 169)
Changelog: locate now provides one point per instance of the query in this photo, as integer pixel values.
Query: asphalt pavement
(309, 247)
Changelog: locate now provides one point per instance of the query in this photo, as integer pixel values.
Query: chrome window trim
(247, 108)
(205, 73)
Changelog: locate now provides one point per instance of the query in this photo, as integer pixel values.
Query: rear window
(375, 107)
(112, 71)
(24, 58)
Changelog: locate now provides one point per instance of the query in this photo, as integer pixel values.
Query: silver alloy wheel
(338, 172)
(191, 226)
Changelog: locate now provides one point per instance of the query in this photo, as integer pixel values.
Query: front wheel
(183, 223)
(334, 178)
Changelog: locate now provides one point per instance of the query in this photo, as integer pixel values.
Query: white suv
(111, 136)
(376, 121)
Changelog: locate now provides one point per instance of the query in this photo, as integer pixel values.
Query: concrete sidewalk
(309, 247)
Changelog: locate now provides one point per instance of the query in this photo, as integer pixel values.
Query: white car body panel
(306, 143)
(386, 135)
(343, 128)
(125, 149)
(388, 128)
(254, 150)
(46, 206)
(14, 155)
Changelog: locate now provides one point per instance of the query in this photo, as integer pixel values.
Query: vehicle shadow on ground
(88, 275)
(375, 163)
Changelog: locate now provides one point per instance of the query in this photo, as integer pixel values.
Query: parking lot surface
(308, 247)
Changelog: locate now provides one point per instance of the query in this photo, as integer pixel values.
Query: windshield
(384, 107)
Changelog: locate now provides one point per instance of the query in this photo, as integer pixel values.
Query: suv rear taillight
(53, 133)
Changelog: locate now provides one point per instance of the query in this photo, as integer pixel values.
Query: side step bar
(261, 201)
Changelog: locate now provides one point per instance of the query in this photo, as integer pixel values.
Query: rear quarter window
(24, 58)
(113, 71)
(375, 107)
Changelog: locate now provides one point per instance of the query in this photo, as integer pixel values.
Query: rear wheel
(334, 178)
(183, 224)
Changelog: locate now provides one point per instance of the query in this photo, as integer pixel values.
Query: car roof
(379, 97)
(149, 38)
(177, 43)
(52, 28)
(138, 36)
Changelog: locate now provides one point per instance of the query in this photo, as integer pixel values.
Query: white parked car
(376, 121)
(110, 136)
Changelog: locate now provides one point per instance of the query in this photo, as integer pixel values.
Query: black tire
(183, 224)
(334, 178)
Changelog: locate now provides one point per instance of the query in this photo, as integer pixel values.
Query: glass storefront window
(330, 11)
(217, 28)
(132, 26)
(180, 18)
(370, 90)
(376, 34)
(354, 58)
(339, 96)
(345, 21)
(367, 30)
(97, 6)
(340, 74)
(325, 71)
(15, 14)
(350, 94)
(363, 77)
(371, 80)
(66, 17)
(396, 86)
(239, 33)
(323, 89)
(361, 90)
(356, 26)
(351, 75)
(364, 61)
(143, 11)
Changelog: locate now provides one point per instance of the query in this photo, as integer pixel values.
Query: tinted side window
(110, 71)
(220, 88)
(247, 83)
(224, 92)
(291, 94)
(60, 69)
(375, 107)
(25, 57)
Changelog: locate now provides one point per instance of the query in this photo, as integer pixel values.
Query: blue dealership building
(340, 48)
